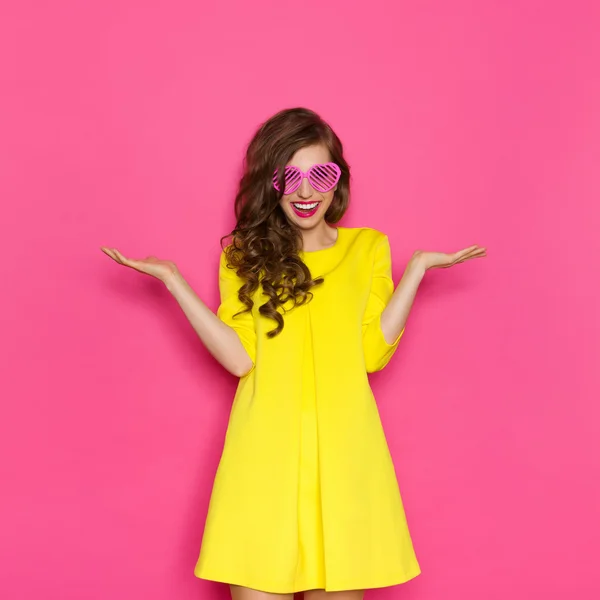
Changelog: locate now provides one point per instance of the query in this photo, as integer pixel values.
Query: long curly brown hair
(264, 245)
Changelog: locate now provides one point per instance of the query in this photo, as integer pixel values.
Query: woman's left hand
(440, 260)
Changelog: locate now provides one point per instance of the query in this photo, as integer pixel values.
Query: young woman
(305, 497)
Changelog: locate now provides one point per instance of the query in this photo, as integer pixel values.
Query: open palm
(441, 260)
(161, 269)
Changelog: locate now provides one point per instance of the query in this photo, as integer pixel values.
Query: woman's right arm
(229, 337)
(221, 340)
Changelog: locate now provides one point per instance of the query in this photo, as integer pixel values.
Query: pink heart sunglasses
(321, 177)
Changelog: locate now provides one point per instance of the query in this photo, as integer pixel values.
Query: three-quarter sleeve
(243, 323)
(377, 350)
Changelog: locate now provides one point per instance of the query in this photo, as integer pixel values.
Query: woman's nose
(305, 190)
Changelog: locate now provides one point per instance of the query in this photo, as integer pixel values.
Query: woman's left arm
(395, 314)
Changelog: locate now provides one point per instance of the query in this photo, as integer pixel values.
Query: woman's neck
(319, 238)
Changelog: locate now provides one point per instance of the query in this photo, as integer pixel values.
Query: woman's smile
(305, 209)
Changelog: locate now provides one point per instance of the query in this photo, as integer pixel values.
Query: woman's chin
(306, 222)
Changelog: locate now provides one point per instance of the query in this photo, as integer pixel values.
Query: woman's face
(306, 207)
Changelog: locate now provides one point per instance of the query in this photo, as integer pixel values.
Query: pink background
(124, 123)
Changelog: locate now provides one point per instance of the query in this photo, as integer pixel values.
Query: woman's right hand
(161, 269)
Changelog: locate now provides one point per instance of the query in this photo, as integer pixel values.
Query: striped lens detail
(324, 177)
(321, 177)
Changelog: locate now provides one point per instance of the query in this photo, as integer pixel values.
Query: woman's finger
(466, 251)
(138, 265)
(110, 252)
(449, 260)
(471, 252)
(474, 253)
(472, 256)
(121, 258)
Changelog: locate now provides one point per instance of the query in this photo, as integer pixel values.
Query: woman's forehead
(309, 156)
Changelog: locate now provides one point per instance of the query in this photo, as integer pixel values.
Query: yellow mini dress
(305, 495)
